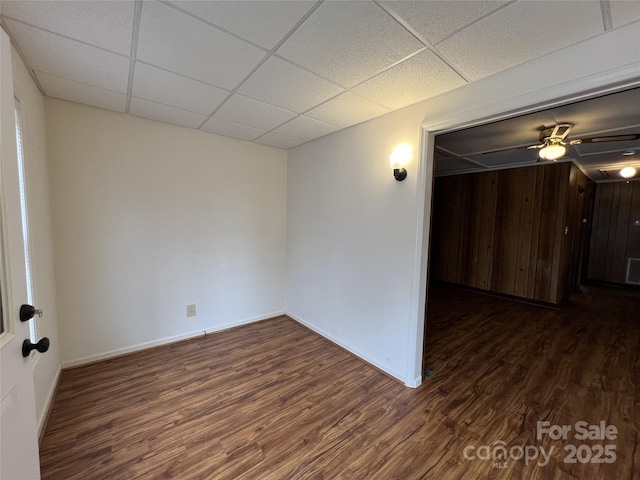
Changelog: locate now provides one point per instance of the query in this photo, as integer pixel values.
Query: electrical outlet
(191, 310)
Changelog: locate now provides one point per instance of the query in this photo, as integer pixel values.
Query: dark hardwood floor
(272, 400)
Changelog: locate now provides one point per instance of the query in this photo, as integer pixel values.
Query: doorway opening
(571, 255)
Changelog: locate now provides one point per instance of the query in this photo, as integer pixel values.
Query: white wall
(358, 240)
(47, 365)
(148, 218)
(351, 229)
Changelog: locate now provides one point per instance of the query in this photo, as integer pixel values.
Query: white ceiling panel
(349, 41)
(305, 128)
(610, 160)
(422, 76)
(338, 63)
(435, 21)
(56, 55)
(180, 43)
(519, 132)
(586, 150)
(280, 83)
(82, 93)
(449, 165)
(521, 32)
(230, 129)
(508, 157)
(252, 113)
(346, 110)
(611, 113)
(160, 86)
(163, 113)
(624, 11)
(262, 22)
(105, 24)
(279, 141)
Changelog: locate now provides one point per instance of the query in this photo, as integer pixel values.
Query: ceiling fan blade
(608, 138)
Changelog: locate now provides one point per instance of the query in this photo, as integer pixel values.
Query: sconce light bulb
(401, 156)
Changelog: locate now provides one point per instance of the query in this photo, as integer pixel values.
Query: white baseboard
(131, 349)
(166, 340)
(47, 406)
(415, 383)
(350, 348)
(244, 322)
(184, 336)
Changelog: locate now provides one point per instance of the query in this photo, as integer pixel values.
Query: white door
(18, 431)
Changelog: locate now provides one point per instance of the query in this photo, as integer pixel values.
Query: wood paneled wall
(504, 230)
(614, 238)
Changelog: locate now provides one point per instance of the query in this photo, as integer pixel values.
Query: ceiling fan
(553, 146)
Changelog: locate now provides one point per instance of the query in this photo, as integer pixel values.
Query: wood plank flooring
(272, 400)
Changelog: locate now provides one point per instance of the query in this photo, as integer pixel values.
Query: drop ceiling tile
(437, 20)
(624, 12)
(56, 55)
(279, 141)
(282, 84)
(160, 86)
(81, 92)
(103, 24)
(230, 129)
(182, 44)
(422, 76)
(346, 110)
(305, 128)
(252, 113)
(163, 113)
(519, 33)
(262, 22)
(347, 42)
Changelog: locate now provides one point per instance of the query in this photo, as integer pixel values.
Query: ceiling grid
(282, 73)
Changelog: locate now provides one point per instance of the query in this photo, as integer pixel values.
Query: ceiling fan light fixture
(628, 172)
(552, 151)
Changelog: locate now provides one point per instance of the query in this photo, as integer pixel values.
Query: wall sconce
(399, 159)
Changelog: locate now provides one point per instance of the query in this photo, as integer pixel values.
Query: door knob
(42, 346)
(27, 312)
